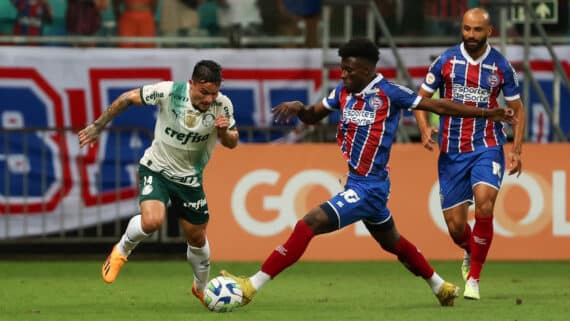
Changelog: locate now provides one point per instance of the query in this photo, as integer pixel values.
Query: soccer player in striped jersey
(471, 160)
(370, 108)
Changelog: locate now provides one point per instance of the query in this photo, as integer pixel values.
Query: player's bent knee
(319, 221)
(197, 239)
(456, 229)
(149, 225)
(485, 209)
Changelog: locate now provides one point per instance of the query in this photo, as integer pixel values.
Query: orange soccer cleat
(112, 265)
(198, 294)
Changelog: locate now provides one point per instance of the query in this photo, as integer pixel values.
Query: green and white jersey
(184, 137)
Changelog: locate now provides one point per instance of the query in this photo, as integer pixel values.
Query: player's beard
(473, 45)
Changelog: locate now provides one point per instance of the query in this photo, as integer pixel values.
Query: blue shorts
(459, 173)
(363, 198)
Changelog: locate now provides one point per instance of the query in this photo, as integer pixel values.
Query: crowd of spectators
(149, 18)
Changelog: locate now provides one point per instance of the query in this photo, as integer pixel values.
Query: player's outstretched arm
(89, 134)
(312, 114)
(451, 108)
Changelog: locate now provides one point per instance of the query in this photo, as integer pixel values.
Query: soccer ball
(222, 294)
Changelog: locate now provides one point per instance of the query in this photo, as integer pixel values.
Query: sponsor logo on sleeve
(153, 96)
(430, 78)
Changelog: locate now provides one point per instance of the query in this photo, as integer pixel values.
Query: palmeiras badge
(208, 120)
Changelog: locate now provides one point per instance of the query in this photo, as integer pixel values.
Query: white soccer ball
(222, 294)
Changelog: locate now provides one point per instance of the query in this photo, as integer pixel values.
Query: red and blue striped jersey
(29, 17)
(369, 121)
(471, 82)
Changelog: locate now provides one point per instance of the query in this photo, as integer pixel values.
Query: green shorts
(189, 203)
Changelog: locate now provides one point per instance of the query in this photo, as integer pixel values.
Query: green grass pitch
(160, 290)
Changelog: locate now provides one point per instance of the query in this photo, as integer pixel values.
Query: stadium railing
(30, 168)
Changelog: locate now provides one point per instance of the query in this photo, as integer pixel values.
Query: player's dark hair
(207, 71)
(360, 48)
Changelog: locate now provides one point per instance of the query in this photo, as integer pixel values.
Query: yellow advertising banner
(256, 193)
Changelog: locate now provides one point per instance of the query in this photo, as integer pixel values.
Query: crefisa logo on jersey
(493, 80)
(375, 102)
(153, 95)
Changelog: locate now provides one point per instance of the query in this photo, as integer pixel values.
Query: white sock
(435, 282)
(259, 279)
(467, 259)
(133, 235)
(199, 259)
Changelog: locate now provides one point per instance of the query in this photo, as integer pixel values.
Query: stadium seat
(57, 27)
(7, 15)
(108, 23)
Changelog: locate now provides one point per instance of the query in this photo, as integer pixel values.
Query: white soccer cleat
(471, 289)
(466, 266)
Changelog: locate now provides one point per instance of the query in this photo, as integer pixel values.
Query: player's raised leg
(131, 238)
(282, 257)
(133, 235)
(285, 255)
(139, 228)
(113, 264)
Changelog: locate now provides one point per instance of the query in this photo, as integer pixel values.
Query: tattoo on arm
(116, 107)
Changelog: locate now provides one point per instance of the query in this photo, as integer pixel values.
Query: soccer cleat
(112, 265)
(471, 289)
(198, 294)
(465, 266)
(447, 294)
(247, 289)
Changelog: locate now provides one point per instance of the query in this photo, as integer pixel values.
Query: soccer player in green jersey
(192, 117)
